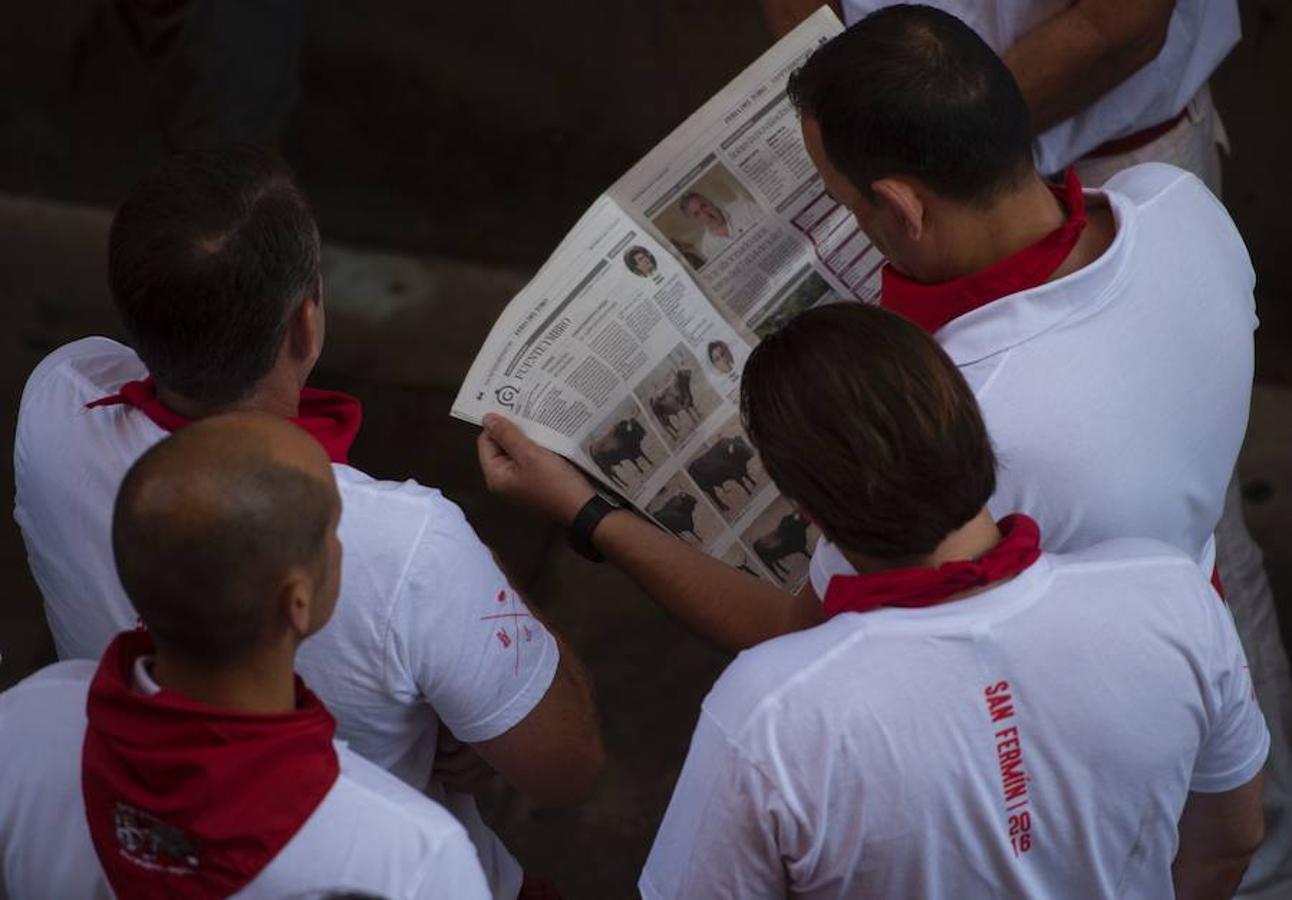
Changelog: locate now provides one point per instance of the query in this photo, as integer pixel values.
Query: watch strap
(579, 534)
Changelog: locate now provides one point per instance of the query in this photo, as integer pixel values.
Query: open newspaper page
(735, 195)
(624, 352)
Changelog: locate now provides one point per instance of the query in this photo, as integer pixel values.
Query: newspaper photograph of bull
(728, 471)
(739, 558)
(782, 539)
(625, 449)
(679, 509)
(678, 395)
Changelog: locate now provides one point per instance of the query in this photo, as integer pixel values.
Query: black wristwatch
(579, 534)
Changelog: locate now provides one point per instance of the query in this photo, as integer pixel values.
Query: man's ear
(304, 339)
(902, 201)
(295, 601)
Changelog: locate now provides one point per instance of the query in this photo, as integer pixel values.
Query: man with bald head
(192, 760)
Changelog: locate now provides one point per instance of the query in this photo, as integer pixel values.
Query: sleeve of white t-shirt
(452, 872)
(719, 836)
(1237, 740)
(462, 638)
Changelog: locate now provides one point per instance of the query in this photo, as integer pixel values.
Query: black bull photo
(622, 444)
(788, 538)
(727, 460)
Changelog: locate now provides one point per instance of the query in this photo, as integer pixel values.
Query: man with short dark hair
(214, 266)
(192, 761)
(1109, 84)
(976, 717)
(1107, 335)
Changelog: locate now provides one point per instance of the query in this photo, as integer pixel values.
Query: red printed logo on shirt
(514, 624)
(1009, 759)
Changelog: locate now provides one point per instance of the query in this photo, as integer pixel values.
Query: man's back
(1038, 739)
(1117, 397)
(370, 833)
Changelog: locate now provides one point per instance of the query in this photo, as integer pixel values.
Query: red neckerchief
(1019, 547)
(931, 306)
(331, 417)
(188, 800)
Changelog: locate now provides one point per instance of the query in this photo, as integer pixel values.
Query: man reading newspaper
(1106, 334)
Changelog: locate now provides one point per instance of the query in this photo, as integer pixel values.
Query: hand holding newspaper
(624, 352)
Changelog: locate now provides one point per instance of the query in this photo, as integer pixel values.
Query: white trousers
(1194, 144)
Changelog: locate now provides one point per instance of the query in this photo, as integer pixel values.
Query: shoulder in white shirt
(1038, 739)
(371, 832)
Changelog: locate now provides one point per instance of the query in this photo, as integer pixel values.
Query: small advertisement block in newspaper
(624, 352)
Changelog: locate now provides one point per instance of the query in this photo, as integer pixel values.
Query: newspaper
(624, 352)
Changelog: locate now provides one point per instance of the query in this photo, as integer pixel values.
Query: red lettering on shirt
(1009, 759)
(503, 638)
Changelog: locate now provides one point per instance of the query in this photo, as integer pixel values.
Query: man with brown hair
(967, 721)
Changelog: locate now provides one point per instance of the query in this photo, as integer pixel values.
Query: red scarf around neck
(1019, 547)
(186, 800)
(931, 306)
(330, 417)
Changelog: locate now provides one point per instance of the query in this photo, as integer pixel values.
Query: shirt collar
(1017, 318)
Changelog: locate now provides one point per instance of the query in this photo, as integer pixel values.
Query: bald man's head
(212, 523)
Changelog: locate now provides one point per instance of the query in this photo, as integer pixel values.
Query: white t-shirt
(1200, 35)
(426, 630)
(371, 832)
(1036, 740)
(1117, 397)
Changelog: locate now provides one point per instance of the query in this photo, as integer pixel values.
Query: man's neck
(262, 683)
(973, 239)
(968, 542)
(278, 394)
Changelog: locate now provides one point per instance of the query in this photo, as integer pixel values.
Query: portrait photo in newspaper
(625, 448)
(679, 507)
(782, 539)
(709, 215)
(721, 358)
(678, 395)
(728, 471)
(640, 261)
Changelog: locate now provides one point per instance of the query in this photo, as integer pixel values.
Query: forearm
(718, 603)
(783, 15)
(1219, 833)
(1068, 62)
(1207, 878)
